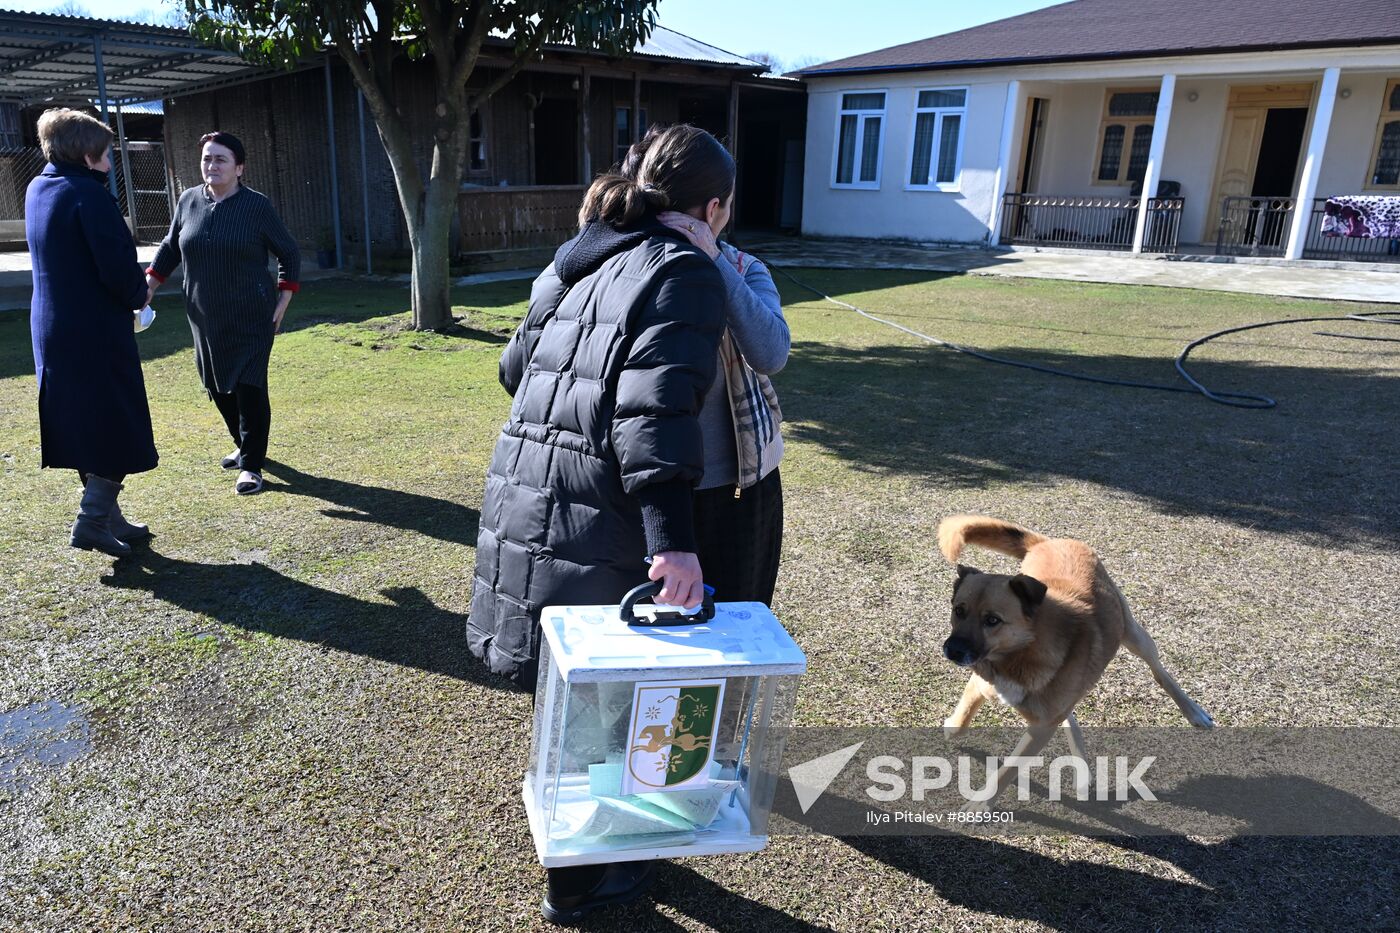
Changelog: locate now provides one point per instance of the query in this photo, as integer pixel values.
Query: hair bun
(657, 198)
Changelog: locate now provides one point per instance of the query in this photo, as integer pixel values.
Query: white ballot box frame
(743, 644)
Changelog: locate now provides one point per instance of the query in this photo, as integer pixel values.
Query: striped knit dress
(229, 295)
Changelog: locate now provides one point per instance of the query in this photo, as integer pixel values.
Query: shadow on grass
(334, 302)
(1321, 463)
(1246, 882)
(410, 631)
(427, 515)
(708, 903)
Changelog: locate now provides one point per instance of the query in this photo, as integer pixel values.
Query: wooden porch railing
(533, 217)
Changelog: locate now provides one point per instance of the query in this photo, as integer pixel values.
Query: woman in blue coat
(93, 416)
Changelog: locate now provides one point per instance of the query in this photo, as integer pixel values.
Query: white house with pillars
(1238, 120)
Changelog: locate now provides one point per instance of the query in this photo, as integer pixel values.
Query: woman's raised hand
(696, 231)
(684, 585)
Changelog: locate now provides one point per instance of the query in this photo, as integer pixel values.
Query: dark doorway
(556, 142)
(1279, 149)
(760, 174)
(1035, 129)
(708, 113)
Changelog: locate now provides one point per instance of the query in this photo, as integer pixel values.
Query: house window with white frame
(859, 131)
(1385, 161)
(936, 160)
(1126, 136)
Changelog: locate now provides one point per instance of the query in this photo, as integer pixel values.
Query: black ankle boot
(91, 532)
(573, 893)
(124, 530)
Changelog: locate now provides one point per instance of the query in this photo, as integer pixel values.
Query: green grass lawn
(271, 720)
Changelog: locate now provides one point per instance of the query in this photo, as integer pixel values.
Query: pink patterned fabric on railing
(1374, 217)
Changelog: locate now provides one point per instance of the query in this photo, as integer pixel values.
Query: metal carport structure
(79, 61)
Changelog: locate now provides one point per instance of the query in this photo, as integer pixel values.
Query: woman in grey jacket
(738, 502)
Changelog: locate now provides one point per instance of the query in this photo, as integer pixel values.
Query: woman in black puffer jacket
(594, 470)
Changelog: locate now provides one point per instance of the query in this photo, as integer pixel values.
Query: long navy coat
(93, 415)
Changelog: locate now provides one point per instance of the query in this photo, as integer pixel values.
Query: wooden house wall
(282, 122)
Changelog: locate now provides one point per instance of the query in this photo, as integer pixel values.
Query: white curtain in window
(870, 150)
(948, 148)
(924, 125)
(846, 160)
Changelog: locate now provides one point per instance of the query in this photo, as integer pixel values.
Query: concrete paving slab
(1366, 282)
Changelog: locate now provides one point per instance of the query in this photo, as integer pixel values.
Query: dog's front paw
(952, 728)
(977, 806)
(1200, 719)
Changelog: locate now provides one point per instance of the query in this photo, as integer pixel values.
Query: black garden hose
(1234, 399)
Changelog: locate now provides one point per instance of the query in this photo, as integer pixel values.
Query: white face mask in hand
(144, 318)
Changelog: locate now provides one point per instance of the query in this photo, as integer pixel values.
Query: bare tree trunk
(427, 206)
(432, 251)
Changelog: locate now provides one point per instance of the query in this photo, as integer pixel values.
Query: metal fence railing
(1254, 226)
(1345, 248)
(149, 199)
(1261, 227)
(1089, 222)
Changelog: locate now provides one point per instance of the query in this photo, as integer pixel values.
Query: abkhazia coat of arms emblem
(672, 735)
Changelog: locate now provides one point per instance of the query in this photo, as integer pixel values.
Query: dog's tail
(957, 531)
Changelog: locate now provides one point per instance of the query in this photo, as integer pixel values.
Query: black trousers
(739, 540)
(118, 479)
(247, 413)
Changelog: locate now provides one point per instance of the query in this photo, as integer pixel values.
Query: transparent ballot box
(652, 730)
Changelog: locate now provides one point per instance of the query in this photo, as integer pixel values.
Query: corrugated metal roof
(150, 107)
(1086, 30)
(51, 58)
(667, 43)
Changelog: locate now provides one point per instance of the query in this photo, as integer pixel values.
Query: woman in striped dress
(223, 232)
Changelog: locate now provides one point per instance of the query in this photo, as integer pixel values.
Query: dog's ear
(964, 572)
(1029, 590)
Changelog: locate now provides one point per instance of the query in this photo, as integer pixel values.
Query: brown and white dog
(1040, 640)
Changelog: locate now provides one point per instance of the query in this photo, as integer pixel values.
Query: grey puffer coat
(594, 469)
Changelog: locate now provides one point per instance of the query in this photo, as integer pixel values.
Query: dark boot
(92, 532)
(573, 893)
(124, 530)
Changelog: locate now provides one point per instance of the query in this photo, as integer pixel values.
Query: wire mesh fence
(145, 199)
(18, 166)
(146, 195)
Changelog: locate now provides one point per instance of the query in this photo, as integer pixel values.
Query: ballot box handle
(628, 609)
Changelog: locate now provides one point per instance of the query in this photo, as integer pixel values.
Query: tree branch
(438, 34)
(464, 65)
(392, 130)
